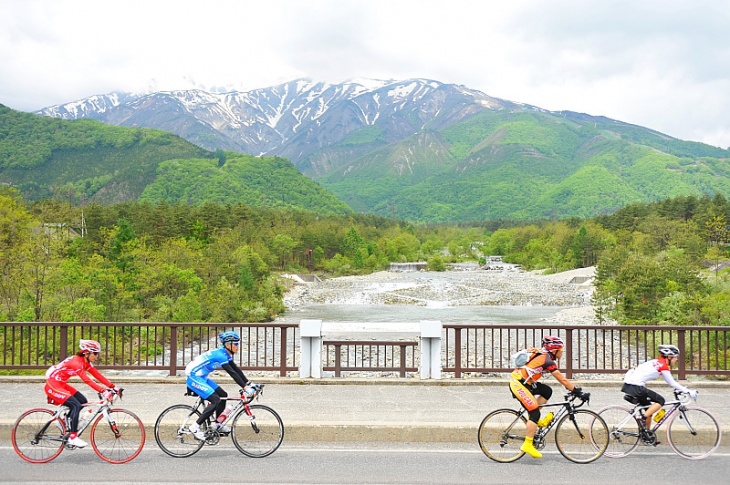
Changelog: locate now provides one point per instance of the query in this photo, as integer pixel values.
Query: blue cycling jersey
(206, 363)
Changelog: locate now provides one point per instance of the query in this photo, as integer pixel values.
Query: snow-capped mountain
(305, 121)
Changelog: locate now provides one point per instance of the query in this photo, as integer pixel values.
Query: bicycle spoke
(260, 436)
(120, 438)
(581, 437)
(623, 432)
(172, 434)
(36, 437)
(694, 433)
(501, 435)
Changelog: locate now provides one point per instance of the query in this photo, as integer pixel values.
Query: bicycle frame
(241, 405)
(102, 407)
(670, 408)
(567, 406)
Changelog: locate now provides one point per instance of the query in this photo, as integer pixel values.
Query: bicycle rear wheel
(501, 435)
(581, 437)
(623, 431)
(120, 438)
(258, 435)
(693, 434)
(36, 437)
(172, 434)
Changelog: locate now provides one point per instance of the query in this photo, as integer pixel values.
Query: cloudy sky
(663, 64)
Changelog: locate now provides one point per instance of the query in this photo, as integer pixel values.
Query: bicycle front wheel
(623, 431)
(118, 439)
(172, 434)
(501, 435)
(36, 437)
(693, 433)
(581, 437)
(260, 434)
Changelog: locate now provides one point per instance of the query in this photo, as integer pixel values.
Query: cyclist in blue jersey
(197, 372)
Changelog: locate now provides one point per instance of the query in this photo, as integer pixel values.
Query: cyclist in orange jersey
(532, 394)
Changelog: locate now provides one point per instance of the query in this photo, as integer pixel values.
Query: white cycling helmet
(91, 346)
(668, 350)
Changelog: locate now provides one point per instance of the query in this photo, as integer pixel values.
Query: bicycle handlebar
(584, 399)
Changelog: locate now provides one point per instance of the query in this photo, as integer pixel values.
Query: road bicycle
(692, 431)
(256, 430)
(117, 435)
(580, 435)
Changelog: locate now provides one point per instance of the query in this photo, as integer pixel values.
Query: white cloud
(663, 64)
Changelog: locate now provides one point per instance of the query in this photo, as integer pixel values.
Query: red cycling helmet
(550, 342)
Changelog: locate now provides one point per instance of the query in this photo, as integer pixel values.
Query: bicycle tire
(581, 437)
(497, 438)
(697, 446)
(120, 438)
(31, 446)
(623, 434)
(258, 437)
(172, 434)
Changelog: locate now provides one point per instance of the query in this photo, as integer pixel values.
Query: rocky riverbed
(466, 286)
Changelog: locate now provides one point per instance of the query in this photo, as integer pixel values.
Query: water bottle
(85, 416)
(659, 415)
(63, 412)
(546, 420)
(224, 415)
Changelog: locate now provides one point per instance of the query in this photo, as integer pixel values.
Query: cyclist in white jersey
(636, 379)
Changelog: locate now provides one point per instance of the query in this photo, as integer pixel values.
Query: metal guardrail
(589, 349)
(357, 356)
(275, 347)
(147, 346)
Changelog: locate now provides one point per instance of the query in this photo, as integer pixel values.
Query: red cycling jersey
(57, 388)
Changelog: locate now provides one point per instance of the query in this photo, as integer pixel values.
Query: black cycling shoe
(649, 438)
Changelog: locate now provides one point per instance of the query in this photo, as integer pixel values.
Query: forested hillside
(526, 165)
(86, 161)
(659, 263)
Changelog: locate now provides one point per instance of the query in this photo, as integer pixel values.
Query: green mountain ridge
(517, 163)
(89, 161)
(525, 165)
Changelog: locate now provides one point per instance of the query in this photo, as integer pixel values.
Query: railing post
(430, 349)
(682, 344)
(569, 352)
(310, 347)
(403, 360)
(63, 337)
(283, 354)
(338, 360)
(173, 350)
(457, 352)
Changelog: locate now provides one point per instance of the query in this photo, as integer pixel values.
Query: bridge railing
(275, 348)
(589, 349)
(147, 346)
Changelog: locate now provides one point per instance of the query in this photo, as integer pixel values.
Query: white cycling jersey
(650, 370)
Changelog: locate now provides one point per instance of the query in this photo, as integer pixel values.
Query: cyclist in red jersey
(59, 391)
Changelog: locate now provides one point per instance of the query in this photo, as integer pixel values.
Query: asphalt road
(364, 463)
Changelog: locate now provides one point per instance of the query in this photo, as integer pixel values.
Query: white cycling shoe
(77, 442)
(222, 429)
(197, 432)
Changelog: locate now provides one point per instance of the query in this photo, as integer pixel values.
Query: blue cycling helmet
(228, 337)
